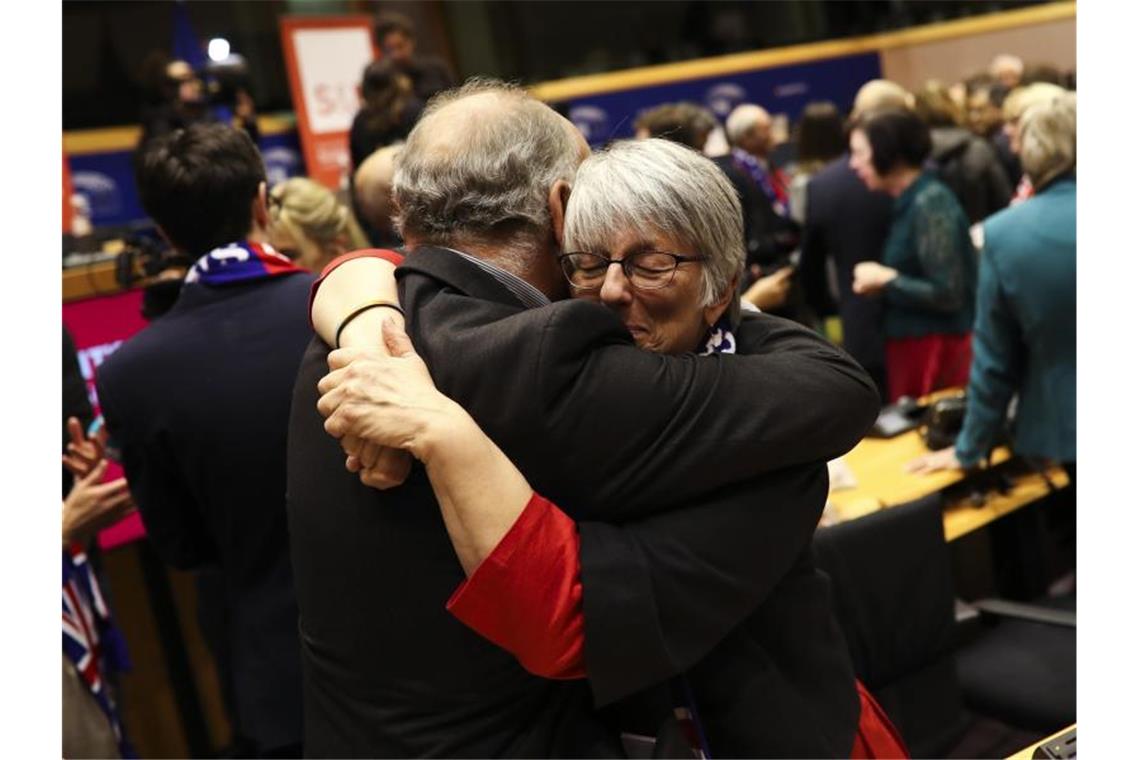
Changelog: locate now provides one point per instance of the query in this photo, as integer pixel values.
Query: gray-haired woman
(653, 231)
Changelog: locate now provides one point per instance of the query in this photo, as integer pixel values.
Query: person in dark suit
(199, 401)
(846, 223)
(553, 387)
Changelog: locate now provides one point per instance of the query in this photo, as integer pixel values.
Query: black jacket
(199, 404)
(971, 168)
(605, 430)
(847, 223)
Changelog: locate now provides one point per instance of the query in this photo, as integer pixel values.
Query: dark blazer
(199, 403)
(848, 223)
(603, 428)
(972, 169)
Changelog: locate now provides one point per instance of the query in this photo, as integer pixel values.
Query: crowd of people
(538, 474)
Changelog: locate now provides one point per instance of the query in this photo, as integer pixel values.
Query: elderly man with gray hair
(680, 537)
(770, 234)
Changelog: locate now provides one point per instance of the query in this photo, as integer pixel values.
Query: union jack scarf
(240, 262)
(90, 639)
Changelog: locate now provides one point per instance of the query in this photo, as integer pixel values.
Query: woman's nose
(615, 287)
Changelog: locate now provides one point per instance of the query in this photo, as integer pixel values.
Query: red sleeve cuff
(526, 596)
(365, 253)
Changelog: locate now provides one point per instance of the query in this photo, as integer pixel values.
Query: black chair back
(894, 599)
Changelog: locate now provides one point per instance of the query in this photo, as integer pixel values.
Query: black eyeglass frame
(626, 265)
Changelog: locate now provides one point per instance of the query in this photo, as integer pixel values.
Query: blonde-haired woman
(310, 225)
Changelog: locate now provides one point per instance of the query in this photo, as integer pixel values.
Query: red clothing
(526, 597)
(918, 366)
(365, 253)
(876, 736)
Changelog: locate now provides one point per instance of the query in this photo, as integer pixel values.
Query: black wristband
(360, 310)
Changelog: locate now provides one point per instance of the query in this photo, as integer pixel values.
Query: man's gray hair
(489, 177)
(653, 187)
(1048, 136)
(741, 121)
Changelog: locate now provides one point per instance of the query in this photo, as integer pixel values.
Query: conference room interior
(949, 533)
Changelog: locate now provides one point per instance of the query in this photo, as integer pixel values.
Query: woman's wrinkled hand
(377, 404)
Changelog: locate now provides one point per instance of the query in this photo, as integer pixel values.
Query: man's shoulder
(173, 334)
(760, 333)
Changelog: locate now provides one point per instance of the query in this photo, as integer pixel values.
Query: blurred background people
(176, 96)
(984, 99)
(819, 140)
(309, 225)
(928, 269)
(396, 37)
(771, 236)
(94, 651)
(1007, 69)
(1025, 340)
(372, 193)
(1017, 103)
(389, 109)
(76, 404)
(684, 123)
(966, 163)
(847, 223)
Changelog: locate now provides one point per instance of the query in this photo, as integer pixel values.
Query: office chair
(953, 684)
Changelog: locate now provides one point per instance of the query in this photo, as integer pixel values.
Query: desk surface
(881, 481)
(1027, 753)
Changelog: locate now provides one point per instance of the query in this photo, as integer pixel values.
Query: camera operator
(177, 97)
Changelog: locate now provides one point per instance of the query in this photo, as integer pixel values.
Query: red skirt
(918, 366)
(876, 736)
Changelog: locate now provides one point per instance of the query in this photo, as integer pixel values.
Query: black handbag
(943, 421)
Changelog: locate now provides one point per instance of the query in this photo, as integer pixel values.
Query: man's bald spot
(373, 185)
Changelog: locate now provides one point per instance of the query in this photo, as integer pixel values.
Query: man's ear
(260, 207)
(556, 202)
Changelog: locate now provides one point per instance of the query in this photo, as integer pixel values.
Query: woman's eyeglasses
(646, 270)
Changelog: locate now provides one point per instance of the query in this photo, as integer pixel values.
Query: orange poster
(325, 57)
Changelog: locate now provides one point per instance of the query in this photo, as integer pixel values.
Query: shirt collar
(530, 296)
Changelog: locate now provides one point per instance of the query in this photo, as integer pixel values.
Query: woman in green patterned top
(929, 265)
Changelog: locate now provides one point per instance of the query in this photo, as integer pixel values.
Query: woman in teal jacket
(1025, 336)
(929, 265)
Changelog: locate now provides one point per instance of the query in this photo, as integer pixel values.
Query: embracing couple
(605, 545)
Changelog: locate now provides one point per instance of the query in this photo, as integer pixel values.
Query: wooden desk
(1027, 753)
(882, 481)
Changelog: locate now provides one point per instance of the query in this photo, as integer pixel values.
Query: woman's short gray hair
(490, 176)
(1048, 136)
(655, 187)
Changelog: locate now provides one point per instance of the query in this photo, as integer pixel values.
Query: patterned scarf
(762, 177)
(719, 339)
(90, 639)
(240, 262)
